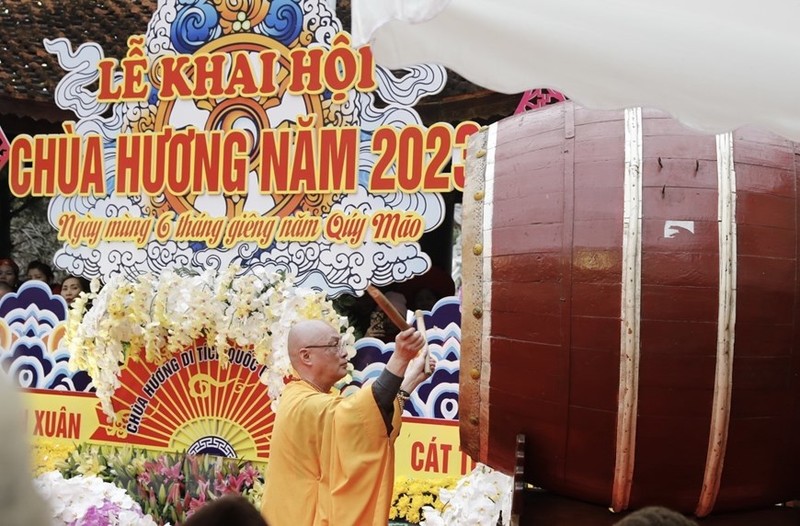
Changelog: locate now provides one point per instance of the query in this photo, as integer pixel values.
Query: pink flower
(225, 485)
(174, 494)
(202, 487)
(144, 478)
(171, 472)
(196, 503)
(247, 476)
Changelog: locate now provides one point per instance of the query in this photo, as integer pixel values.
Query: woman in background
(72, 286)
(9, 272)
(41, 272)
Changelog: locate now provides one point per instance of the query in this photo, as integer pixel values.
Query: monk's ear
(305, 356)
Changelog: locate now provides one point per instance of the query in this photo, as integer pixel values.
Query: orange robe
(331, 461)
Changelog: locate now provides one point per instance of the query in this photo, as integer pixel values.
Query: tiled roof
(29, 74)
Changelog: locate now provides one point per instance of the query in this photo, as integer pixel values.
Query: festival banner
(425, 449)
(258, 138)
(255, 138)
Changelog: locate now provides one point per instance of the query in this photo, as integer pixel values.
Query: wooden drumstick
(399, 321)
(386, 306)
(421, 328)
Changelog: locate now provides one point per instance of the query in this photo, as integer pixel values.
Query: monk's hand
(415, 373)
(408, 343)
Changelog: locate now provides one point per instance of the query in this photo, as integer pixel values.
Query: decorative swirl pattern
(140, 118)
(200, 385)
(319, 21)
(194, 25)
(317, 203)
(341, 114)
(284, 22)
(240, 15)
(72, 91)
(172, 254)
(437, 397)
(158, 42)
(408, 87)
(32, 316)
(117, 426)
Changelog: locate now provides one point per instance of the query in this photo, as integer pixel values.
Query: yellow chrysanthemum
(47, 455)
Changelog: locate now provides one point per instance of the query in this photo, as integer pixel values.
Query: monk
(332, 457)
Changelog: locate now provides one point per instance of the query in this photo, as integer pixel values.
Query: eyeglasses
(339, 345)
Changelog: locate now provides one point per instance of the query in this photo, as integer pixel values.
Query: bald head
(308, 332)
(316, 353)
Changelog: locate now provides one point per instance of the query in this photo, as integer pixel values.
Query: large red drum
(630, 305)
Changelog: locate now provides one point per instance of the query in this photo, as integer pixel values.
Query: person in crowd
(228, 510)
(37, 270)
(20, 503)
(380, 326)
(424, 291)
(40, 271)
(332, 457)
(72, 286)
(425, 299)
(655, 516)
(9, 272)
(5, 288)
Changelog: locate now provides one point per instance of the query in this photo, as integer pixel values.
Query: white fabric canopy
(713, 64)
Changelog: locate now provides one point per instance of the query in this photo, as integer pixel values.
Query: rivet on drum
(475, 374)
(477, 312)
(478, 196)
(480, 153)
(477, 249)
(473, 420)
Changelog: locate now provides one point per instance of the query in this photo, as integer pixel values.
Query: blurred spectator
(425, 299)
(655, 516)
(380, 326)
(422, 292)
(72, 286)
(5, 288)
(20, 504)
(230, 510)
(40, 271)
(9, 272)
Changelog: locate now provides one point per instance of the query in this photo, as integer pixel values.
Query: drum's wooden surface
(543, 291)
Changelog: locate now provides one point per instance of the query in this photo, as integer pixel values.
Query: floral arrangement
(411, 495)
(177, 485)
(482, 497)
(168, 313)
(48, 454)
(89, 501)
(167, 486)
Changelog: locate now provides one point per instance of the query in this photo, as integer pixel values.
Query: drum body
(630, 306)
